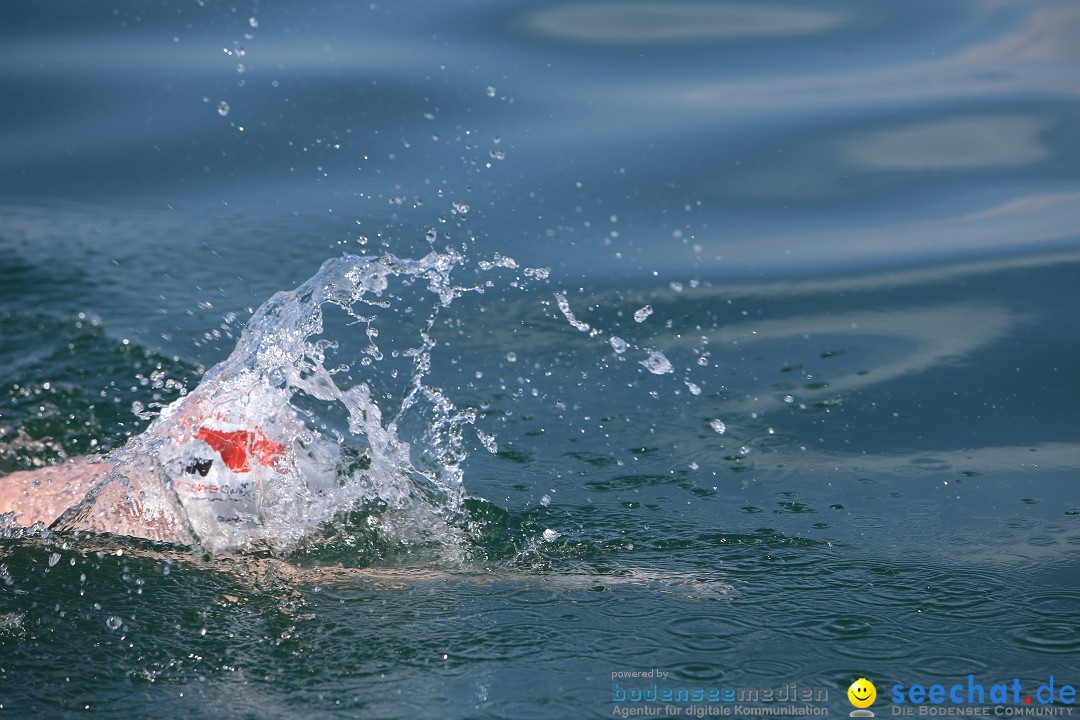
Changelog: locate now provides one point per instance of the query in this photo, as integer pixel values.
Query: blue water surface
(857, 227)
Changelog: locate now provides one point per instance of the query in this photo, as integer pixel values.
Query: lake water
(779, 388)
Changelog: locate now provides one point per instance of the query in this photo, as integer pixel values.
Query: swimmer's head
(220, 468)
(242, 462)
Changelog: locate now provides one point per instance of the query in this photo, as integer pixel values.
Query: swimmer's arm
(43, 495)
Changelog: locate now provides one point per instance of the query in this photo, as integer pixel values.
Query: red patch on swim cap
(234, 446)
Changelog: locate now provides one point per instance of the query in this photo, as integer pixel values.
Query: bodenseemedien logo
(862, 694)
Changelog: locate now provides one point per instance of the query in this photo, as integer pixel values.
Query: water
(749, 358)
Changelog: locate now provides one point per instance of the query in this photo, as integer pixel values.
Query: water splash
(657, 363)
(309, 425)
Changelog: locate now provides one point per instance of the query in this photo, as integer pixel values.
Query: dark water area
(821, 425)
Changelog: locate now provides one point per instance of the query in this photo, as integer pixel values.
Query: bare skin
(42, 495)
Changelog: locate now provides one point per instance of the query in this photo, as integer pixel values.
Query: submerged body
(44, 496)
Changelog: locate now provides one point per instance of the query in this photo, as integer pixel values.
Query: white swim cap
(221, 468)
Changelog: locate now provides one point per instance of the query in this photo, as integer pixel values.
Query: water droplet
(550, 535)
(545, 500)
(223, 108)
(53, 559)
(694, 389)
(491, 91)
(253, 22)
(488, 441)
(276, 376)
(431, 235)
(113, 622)
(202, 631)
(657, 364)
(564, 307)
(240, 68)
(617, 344)
(642, 313)
(718, 426)
(511, 356)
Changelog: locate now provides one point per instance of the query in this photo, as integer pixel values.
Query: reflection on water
(649, 22)
(898, 341)
(1022, 224)
(956, 143)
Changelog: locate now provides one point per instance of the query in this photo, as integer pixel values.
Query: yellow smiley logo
(862, 693)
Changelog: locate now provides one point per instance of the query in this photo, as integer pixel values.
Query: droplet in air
(657, 364)
(511, 357)
(718, 426)
(545, 500)
(692, 387)
(53, 559)
(223, 108)
(550, 535)
(431, 235)
(240, 68)
(488, 441)
(491, 91)
(642, 313)
(617, 344)
(113, 622)
(253, 22)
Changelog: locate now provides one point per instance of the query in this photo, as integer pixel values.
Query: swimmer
(233, 466)
(208, 485)
(205, 472)
(44, 495)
